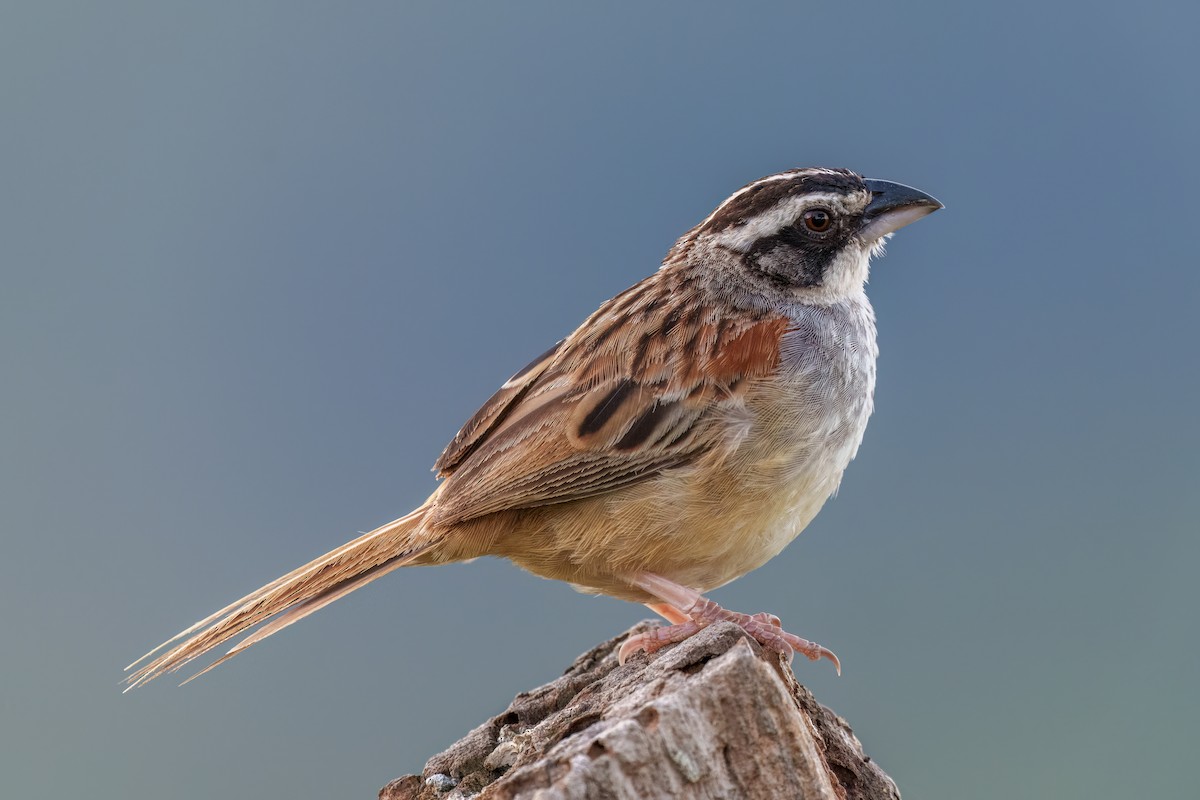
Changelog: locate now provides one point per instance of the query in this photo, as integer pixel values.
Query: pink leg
(691, 612)
(669, 612)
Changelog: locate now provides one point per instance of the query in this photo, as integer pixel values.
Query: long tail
(292, 597)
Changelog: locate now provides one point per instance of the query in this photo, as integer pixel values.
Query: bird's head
(805, 235)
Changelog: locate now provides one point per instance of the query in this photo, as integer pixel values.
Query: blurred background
(260, 260)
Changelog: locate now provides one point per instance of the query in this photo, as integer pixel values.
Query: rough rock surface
(712, 717)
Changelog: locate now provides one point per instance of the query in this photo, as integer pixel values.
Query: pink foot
(698, 612)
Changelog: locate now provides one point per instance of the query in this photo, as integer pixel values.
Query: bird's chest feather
(802, 428)
(811, 416)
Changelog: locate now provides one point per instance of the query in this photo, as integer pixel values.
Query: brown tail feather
(292, 597)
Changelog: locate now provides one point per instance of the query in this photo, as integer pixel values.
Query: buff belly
(701, 526)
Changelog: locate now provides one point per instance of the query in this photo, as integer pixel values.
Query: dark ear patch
(792, 258)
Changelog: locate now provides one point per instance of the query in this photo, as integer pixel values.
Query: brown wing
(635, 390)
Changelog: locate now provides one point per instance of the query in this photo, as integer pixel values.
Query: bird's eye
(818, 220)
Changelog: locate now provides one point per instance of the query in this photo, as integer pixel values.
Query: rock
(712, 717)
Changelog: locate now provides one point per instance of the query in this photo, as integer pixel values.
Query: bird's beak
(892, 206)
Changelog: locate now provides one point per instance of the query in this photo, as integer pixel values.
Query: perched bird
(684, 434)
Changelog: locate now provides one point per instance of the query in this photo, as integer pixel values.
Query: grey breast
(827, 364)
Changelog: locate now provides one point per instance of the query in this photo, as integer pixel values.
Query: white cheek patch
(742, 237)
(846, 274)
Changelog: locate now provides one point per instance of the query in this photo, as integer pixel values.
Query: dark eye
(818, 220)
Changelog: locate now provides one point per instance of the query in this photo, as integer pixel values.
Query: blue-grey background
(261, 259)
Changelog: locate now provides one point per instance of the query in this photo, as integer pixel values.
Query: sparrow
(679, 438)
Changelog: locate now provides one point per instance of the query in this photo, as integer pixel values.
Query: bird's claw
(766, 629)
